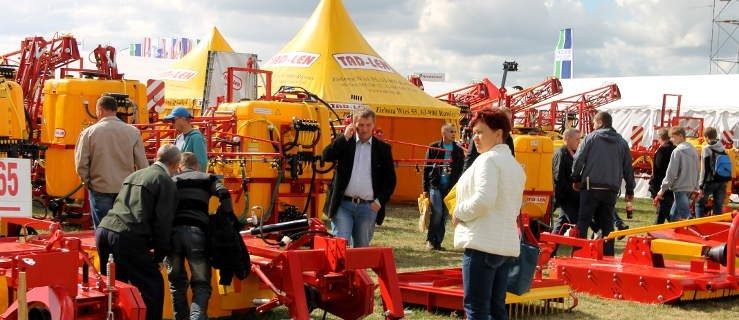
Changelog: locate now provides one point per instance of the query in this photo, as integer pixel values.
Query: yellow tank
(270, 120)
(535, 153)
(68, 108)
(12, 114)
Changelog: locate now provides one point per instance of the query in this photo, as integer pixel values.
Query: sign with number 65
(15, 188)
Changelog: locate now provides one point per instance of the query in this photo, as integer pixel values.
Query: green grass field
(400, 232)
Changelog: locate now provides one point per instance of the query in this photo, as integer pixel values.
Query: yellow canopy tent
(330, 58)
(184, 82)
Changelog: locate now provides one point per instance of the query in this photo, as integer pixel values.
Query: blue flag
(563, 55)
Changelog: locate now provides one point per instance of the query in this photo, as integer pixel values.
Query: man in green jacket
(141, 220)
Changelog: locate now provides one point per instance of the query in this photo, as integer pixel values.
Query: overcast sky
(466, 39)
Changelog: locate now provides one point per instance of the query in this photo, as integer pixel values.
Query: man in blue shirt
(438, 179)
(189, 139)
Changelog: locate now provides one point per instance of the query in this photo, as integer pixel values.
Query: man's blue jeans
(100, 204)
(485, 280)
(189, 242)
(717, 190)
(439, 215)
(355, 223)
(681, 207)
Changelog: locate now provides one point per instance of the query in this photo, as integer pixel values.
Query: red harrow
(673, 262)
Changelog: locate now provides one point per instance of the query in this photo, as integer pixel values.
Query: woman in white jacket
(488, 203)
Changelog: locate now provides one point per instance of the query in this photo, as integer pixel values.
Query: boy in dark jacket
(661, 161)
(189, 240)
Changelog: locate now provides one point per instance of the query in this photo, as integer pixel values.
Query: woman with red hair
(489, 197)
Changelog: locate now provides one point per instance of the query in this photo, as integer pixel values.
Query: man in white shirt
(363, 182)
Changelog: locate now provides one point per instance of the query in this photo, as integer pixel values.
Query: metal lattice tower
(725, 37)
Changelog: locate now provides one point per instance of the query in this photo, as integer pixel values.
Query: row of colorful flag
(162, 48)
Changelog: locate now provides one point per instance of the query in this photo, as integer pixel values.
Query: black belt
(357, 200)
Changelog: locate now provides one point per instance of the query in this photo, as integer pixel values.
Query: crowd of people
(588, 173)
(149, 216)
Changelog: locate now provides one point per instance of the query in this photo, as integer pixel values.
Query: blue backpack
(722, 167)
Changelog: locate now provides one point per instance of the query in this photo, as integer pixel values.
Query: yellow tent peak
(330, 29)
(331, 58)
(186, 78)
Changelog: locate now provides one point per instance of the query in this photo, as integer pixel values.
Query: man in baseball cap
(189, 138)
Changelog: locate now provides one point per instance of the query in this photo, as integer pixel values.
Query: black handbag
(522, 269)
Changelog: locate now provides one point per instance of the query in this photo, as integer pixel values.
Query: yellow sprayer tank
(12, 114)
(68, 108)
(535, 153)
(272, 120)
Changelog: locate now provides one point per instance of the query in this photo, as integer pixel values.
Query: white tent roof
(702, 92)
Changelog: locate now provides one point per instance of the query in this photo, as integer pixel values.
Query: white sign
(244, 85)
(347, 106)
(432, 76)
(15, 188)
(563, 55)
(362, 61)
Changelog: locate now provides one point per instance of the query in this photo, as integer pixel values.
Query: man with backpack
(715, 173)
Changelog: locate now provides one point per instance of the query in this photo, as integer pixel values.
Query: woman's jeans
(485, 279)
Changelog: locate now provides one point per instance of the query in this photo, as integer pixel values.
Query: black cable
(46, 210)
(244, 187)
(301, 233)
(310, 189)
(72, 192)
(87, 109)
(273, 199)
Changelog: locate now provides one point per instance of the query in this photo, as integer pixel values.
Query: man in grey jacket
(682, 175)
(600, 163)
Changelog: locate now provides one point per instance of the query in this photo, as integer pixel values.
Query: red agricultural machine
(314, 269)
(301, 265)
(669, 117)
(48, 107)
(576, 111)
(686, 260)
(53, 277)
